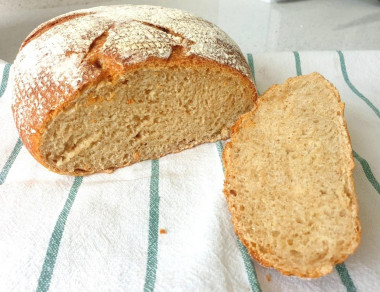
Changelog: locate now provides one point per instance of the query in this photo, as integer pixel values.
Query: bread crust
(40, 96)
(226, 157)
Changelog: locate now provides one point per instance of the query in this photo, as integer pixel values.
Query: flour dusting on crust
(52, 65)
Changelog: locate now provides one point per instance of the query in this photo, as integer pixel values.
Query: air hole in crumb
(97, 64)
(241, 208)
(275, 233)
(294, 252)
(233, 193)
(290, 241)
(262, 249)
(138, 135)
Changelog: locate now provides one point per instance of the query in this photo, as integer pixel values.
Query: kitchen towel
(163, 225)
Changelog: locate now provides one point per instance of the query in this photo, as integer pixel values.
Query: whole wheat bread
(289, 182)
(101, 88)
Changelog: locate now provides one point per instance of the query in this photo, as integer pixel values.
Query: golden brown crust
(245, 121)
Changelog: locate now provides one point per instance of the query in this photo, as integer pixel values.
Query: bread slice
(106, 87)
(289, 182)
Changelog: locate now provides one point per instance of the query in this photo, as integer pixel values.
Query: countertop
(257, 26)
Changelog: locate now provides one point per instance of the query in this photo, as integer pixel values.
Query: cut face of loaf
(289, 182)
(145, 114)
(106, 87)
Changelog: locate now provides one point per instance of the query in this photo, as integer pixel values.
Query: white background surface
(257, 26)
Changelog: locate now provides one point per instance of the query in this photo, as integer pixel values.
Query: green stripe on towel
(345, 277)
(298, 63)
(10, 161)
(4, 80)
(353, 88)
(219, 147)
(248, 264)
(367, 171)
(341, 269)
(55, 240)
(16, 149)
(249, 267)
(252, 67)
(151, 265)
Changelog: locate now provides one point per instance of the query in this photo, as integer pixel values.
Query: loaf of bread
(106, 87)
(289, 182)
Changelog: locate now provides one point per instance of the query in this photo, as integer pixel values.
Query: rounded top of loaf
(56, 60)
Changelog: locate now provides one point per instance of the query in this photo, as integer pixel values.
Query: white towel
(164, 225)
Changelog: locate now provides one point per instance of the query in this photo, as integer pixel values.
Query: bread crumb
(163, 231)
(294, 247)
